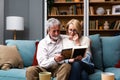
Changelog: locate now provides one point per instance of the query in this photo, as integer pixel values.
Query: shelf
(65, 16)
(64, 11)
(106, 2)
(69, 2)
(81, 2)
(110, 30)
(111, 15)
(101, 32)
(82, 15)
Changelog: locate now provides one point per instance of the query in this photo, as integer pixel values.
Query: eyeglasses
(72, 30)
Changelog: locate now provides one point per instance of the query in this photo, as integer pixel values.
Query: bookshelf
(64, 10)
(96, 21)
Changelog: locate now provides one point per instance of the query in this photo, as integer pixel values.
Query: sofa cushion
(13, 74)
(96, 75)
(35, 54)
(114, 70)
(118, 64)
(96, 50)
(26, 49)
(111, 50)
(10, 57)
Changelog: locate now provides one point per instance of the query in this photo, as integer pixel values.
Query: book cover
(74, 52)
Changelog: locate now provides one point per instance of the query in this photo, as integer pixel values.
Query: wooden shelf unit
(63, 14)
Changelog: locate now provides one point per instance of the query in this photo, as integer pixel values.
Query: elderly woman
(81, 66)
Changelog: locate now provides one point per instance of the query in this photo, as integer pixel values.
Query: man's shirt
(47, 50)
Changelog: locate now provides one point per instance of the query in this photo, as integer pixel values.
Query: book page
(79, 52)
(67, 53)
(74, 51)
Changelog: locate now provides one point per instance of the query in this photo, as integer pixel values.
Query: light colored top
(84, 41)
(47, 50)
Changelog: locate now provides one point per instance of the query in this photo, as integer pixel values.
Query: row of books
(72, 10)
(116, 25)
(95, 24)
(67, 0)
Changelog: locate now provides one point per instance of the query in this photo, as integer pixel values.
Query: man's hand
(71, 60)
(58, 57)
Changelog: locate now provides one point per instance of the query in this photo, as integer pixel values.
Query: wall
(32, 11)
(1, 21)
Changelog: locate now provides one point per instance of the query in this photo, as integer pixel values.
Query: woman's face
(72, 30)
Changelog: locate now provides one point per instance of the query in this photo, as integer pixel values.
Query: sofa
(105, 50)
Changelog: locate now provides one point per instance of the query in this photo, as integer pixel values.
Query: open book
(74, 51)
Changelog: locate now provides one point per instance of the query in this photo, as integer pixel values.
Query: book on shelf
(91, 10)
(79, 9)
(54, 11)
(97, 0)
(59, 0)
(92, 24)
(73, 52)
(72, 10)
(116, 24)
(96, 24)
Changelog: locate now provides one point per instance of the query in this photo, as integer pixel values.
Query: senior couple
(49, 53)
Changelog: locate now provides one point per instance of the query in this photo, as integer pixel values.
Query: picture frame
(116, 9)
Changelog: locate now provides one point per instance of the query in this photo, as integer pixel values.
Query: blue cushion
(26, 49)
(114, 70)
(13, 74)
(96, 50)
(96, 75)
(111, 50)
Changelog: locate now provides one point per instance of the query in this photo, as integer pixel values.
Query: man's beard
(55, 38)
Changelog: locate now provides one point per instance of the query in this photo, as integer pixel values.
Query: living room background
(32, 11)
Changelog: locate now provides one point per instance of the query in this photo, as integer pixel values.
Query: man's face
(54, 32)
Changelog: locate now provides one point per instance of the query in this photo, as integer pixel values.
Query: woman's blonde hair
(77, 24)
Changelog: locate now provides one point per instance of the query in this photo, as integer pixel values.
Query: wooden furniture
(64, 10)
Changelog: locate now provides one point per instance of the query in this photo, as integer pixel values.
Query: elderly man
(48, 54)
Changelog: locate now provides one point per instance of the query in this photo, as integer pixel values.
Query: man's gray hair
(52, 22)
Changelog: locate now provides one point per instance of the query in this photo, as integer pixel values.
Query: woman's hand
(76, 39)
(74, 59)
(78, 58)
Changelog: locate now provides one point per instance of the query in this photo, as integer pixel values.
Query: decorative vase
(106, 25)
(100, 11)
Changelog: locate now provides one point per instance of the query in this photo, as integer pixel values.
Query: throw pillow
(35, 54)
(10, 57)
(118, 64)
(96, 49)
(26, 49)
(111, 50)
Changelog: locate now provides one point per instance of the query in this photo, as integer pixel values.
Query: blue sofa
(106, 53)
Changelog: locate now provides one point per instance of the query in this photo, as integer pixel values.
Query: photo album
(74, 51)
